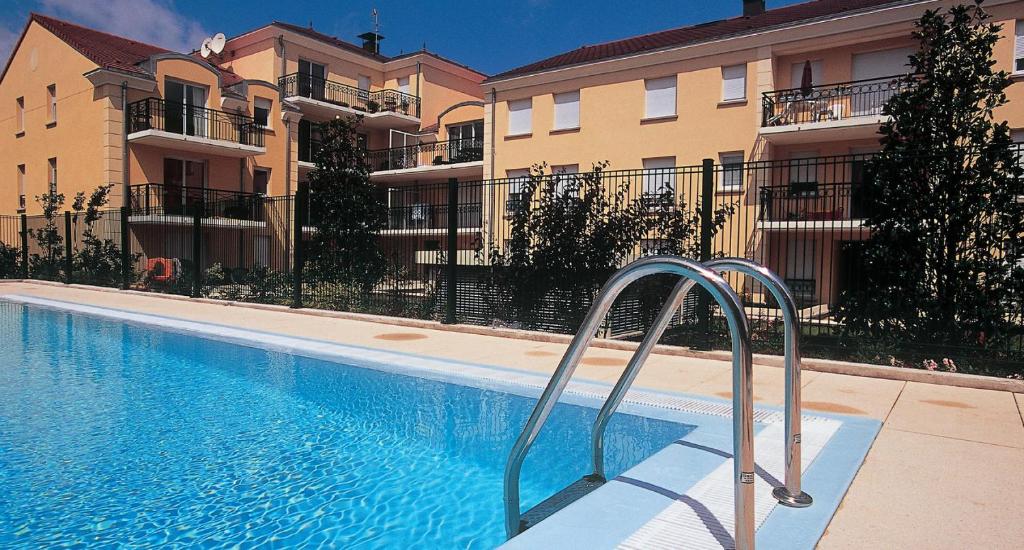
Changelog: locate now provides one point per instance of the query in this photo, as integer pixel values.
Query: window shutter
(734, 82)
(660, 97)
(567, 110)
(520, 114)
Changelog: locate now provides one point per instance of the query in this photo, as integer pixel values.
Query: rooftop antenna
(213, 45)
(376, 21)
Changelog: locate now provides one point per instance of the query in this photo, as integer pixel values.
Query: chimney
(753, 7)
(371, 41)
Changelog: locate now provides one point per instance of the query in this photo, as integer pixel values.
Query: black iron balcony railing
(426, 154)
(831, 102)
(434, 216)
(179, 118)
(344, 95)
(156, 199)
(809, 201)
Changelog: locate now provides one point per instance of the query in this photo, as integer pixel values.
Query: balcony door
(312, 80)
(868, 98)
(466, 141)
(184, 183)
(185, 109)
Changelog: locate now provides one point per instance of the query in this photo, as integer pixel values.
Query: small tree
(576, 232)
(10, 261)
(346, 210)
(943, 211)
(50, 263)
(96, 260)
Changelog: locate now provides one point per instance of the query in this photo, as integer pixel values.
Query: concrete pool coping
(946, 463)
(848, 368)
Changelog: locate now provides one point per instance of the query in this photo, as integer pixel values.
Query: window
(260, 180)
(660, 97)
(803, 174)
(21, 187)
(734, 83)
(364, 87)
(403, 84)
(659, 181)
(520, 115)
(261, 111)
(20, 115)
(732, 171)
(562, 174)
(312, 83)
(1018, 47)
(51, 101)
(53, 175)
(567, 110)
(185, 109)
(517, 199)
(466, 142)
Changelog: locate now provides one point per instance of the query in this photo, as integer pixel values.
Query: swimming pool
(113, 432)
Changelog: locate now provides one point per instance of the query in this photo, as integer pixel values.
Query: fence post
(453, 243)
(298, 254)
(24, 246)
(197, 252)
(707, 228)
(126, 250)
(68, 263)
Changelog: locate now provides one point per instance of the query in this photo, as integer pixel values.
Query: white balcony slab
(195, 144)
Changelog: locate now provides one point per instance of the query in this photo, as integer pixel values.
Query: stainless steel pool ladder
(789, 494)
(692, 273)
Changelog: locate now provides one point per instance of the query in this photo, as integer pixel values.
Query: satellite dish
(217, 43)
(205, 48)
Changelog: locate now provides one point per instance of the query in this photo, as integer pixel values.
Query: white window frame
(21, 188)
(732, 171)
(20, 115)
(520, 117)
(1018, 47)
(51, 165)
(661, 97)
(658, 171)
(731, 90)
(51, 103)
(566, 111)
(403, 84)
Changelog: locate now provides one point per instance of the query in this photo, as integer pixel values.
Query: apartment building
(174, 130)
(797, 91)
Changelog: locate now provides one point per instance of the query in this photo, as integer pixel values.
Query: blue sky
(488, 35)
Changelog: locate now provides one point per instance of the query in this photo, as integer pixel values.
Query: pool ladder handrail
(742, 405)
(789, 494)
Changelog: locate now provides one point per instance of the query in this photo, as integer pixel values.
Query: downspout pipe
(125, 165)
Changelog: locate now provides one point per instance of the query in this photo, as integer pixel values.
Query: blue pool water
(112, 433)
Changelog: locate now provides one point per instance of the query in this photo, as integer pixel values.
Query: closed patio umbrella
(806, 81)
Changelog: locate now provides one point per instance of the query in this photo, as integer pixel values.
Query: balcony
(183, 127)
(176, 204)
(429, 219)
(445, 159)
(848, 110)
(808, 205)
(323, 99)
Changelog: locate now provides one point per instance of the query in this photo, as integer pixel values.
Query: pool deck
(944, 472)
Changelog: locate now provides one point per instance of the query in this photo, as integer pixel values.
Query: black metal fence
(830, 102)
(190, 120)
(803, 218)
(344, 95)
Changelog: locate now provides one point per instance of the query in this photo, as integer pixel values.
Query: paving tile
(769, 384)
(964, 413)
(855, 395)
(924, 491)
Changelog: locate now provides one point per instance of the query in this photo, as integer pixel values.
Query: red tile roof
(106, 50)
(697, 33)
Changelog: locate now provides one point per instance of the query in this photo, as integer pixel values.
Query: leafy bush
(96, 261)
(10, 261)
(49, 265)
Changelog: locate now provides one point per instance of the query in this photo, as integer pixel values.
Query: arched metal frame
(742, 408)
(790, 494)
